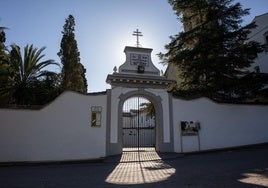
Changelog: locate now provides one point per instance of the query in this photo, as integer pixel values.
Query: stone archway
(138, 76)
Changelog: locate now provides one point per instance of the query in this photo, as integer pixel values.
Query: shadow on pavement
(239, 168)
(140, 167)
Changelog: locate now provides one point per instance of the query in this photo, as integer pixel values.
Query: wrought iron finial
(138, 34)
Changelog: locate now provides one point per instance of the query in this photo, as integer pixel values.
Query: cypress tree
(5, 70)
(73, 72)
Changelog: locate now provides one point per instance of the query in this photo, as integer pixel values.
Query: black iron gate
(138, 123)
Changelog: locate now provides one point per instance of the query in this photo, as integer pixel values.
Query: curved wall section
(60, 131)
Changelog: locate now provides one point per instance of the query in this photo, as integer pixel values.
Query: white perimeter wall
(222, 125)
(62, 130)
(59, 131)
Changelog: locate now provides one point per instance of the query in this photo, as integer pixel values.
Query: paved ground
(237, 168)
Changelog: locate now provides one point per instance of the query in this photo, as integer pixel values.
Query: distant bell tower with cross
(138, 34)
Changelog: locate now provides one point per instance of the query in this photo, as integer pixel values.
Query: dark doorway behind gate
(138, 123)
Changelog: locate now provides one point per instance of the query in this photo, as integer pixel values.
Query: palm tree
(26, 70)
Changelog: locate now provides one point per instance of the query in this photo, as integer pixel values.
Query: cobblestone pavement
(232, 168)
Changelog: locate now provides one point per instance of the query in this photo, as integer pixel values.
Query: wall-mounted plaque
(96, 116)
(139, 59)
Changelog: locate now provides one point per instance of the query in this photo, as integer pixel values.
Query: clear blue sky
(103, 28)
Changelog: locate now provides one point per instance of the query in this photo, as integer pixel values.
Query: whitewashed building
(260, 34)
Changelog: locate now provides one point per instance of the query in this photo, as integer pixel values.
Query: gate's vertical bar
(138, 123)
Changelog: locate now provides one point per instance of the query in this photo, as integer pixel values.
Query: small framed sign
(189, 128)
(96, 116)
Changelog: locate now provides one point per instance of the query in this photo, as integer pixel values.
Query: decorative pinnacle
(138, 34)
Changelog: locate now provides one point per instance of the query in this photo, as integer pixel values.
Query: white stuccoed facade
(260, 34)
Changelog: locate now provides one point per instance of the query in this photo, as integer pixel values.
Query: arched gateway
(138, 77)
(139, 124)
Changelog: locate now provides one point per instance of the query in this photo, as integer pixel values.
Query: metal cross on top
(138, 34)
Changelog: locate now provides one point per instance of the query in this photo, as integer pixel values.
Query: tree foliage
(4, 67)
(148, 107)
(25, 75)
(213, 52)
(2, 39)
(73, 72)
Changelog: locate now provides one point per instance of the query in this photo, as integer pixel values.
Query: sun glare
(127, 39)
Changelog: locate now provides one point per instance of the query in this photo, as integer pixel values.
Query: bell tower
(138, 69)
